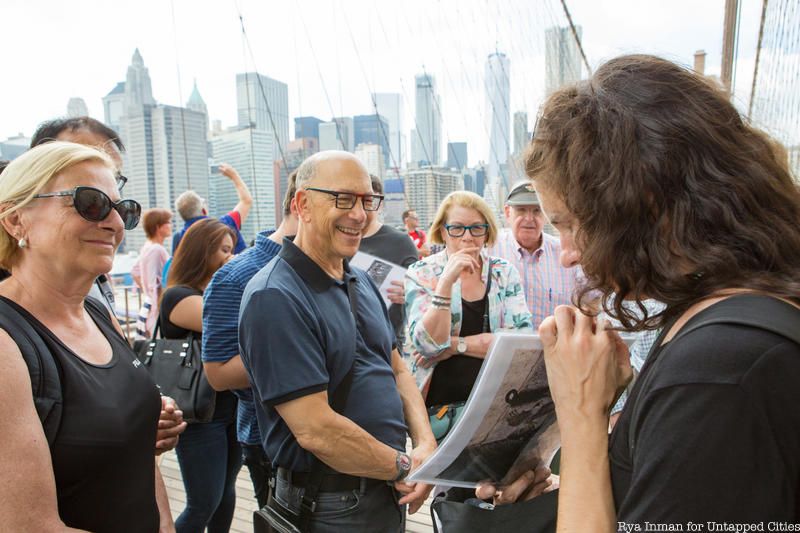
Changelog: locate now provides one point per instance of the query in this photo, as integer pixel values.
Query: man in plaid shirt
(536, 254)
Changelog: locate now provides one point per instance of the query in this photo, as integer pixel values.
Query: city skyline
(333, 57)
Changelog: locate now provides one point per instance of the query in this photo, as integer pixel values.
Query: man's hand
(530, 485)
(245, 198)
(229, 172)
(415, 494)
(170, 425)
(396, 292)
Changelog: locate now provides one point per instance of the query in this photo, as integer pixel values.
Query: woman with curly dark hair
(661, 190)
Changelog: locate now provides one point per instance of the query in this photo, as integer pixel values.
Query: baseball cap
(522, 193)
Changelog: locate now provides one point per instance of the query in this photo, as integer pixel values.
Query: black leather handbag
(537, 516)
(177, 369)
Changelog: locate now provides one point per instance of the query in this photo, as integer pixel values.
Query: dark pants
(371, 508)
(210, 459)
(260, 469)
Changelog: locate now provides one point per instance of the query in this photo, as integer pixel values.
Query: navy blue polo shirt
(297, 336)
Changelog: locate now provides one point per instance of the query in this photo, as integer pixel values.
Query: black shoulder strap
(755, 311)
(486, 326)
(42, 366)
(338, 400)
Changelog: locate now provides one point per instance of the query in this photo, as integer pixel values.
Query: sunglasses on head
(95, 205)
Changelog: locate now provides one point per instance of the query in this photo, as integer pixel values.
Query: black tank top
(454, 377)
(103, 454)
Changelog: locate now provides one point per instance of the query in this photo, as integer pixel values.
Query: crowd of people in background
(666, 206)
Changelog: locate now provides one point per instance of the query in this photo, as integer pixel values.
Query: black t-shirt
(718, 430)
(453, 378)
(103, 454)
(225, 405)
(395, 246)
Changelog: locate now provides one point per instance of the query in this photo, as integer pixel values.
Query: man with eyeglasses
(309, 323)
(524, 244)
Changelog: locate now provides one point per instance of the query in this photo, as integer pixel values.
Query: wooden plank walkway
(420, 522)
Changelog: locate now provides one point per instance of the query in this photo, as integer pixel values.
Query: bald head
(310, 168)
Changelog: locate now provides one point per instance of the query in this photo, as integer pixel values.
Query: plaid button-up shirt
(546, 283)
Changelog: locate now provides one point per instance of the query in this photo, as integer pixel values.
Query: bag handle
(486, 328)
(337, 402)
(755, 311)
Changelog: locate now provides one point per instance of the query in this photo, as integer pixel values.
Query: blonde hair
(28, 174)
(463, 199)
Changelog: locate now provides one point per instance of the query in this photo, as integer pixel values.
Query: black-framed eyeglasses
(95, 205)
(458, 230)
(121, 181)
(347, 200)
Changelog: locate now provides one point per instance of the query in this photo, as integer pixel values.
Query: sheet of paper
(381, 272)
(509, 423)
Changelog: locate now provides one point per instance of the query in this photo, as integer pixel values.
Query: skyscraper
(372, 129)
(498, 112)
(337, 134)
(457, 155)
(196, 103)
(562, 57)
(76, 107)
(390, 106)
(306, 127)
(425, 188)
(114, 107)
(264, 103)
(426, 145)
(138, 90)
(251, 151)
(521, 135)
(166, 146)
(372, 157)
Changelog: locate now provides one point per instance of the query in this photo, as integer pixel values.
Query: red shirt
(418, 236)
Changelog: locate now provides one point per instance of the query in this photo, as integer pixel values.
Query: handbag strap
(337, 402)
(755, 311)
(486, 328)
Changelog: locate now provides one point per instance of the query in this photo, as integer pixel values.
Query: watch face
(405, 462)
(461, 347)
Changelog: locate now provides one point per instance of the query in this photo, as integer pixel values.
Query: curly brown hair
(677, 198)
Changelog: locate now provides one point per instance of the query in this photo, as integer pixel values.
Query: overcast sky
(333, 53)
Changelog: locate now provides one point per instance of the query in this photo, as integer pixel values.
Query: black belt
(333, 482)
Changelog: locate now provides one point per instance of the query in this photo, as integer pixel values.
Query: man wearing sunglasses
(309, 322)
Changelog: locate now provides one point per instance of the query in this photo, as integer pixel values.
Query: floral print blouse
(507, 307)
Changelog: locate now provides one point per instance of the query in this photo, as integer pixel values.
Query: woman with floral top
(452, 304)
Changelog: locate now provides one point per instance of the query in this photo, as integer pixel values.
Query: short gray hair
(306, 172)
(189, 205)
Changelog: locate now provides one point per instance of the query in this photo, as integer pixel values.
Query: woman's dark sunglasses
(95, 205)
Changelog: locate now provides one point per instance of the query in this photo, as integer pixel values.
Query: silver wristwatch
(461, 347)
(403, 464)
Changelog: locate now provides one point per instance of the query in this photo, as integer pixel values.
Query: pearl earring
(22, 243)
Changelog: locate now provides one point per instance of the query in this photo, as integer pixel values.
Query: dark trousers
(372, 508)
(260, 469)
(210, 459)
